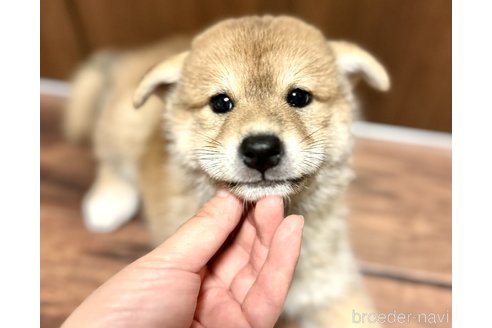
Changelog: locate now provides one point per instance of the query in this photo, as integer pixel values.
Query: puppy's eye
(221, 103)
(299, 98)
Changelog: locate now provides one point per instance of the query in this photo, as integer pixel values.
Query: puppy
(259, 105)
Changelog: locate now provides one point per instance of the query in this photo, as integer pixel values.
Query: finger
(263, 303)
(242, 282)
(251, 243)
(247, 232)
(235, 257)
(197, 324)
(194, 244)
(268, 214)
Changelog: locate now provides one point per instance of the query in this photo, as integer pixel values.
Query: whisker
(310, 135)
(210, 139)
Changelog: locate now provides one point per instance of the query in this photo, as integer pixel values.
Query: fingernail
(222, 193)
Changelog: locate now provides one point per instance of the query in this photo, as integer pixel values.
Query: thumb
(196, 241)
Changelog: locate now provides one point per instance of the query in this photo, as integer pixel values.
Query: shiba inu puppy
(259, 105)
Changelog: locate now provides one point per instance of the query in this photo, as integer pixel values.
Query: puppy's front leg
(327, 288)
(112, 200)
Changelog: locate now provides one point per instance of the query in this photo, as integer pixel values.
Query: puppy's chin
(255, 191)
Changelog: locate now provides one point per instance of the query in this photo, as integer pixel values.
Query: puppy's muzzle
(261, 152)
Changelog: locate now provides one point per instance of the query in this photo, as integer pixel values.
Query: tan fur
(176, 164)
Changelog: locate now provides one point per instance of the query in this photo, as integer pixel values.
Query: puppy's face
(260, 105)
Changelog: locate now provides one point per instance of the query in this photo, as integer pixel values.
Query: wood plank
(60, 47)
(76, 262)
(133, 23)
(412, 38)
(127, 23)
(73, 261)
(400, 206)
(70, 166)
(416, 302)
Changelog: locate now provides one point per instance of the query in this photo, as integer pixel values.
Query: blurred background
(412, 38)
(400, 200)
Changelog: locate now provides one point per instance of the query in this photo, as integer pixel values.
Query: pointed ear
(164, 73)
(355, 62)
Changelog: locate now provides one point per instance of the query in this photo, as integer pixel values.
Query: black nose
(261, 152)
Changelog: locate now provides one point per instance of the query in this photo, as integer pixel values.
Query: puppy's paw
(106, 208)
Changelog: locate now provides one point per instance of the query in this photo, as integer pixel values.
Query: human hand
(176, 285)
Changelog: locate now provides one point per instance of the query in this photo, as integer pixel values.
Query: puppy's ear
(164, 73)
(355, 62)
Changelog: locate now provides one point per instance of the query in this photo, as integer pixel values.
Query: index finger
(196, 242)
(267, 216)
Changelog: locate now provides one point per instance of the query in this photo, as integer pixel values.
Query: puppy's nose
(261, 152)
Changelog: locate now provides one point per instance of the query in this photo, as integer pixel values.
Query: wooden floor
(400, 227)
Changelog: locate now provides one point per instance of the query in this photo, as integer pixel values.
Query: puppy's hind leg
(111, 201)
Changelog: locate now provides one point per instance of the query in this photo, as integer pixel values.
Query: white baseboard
(50, 87)
(362, 129)
(394, 133)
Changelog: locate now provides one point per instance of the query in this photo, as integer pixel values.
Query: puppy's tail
(86, 96)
